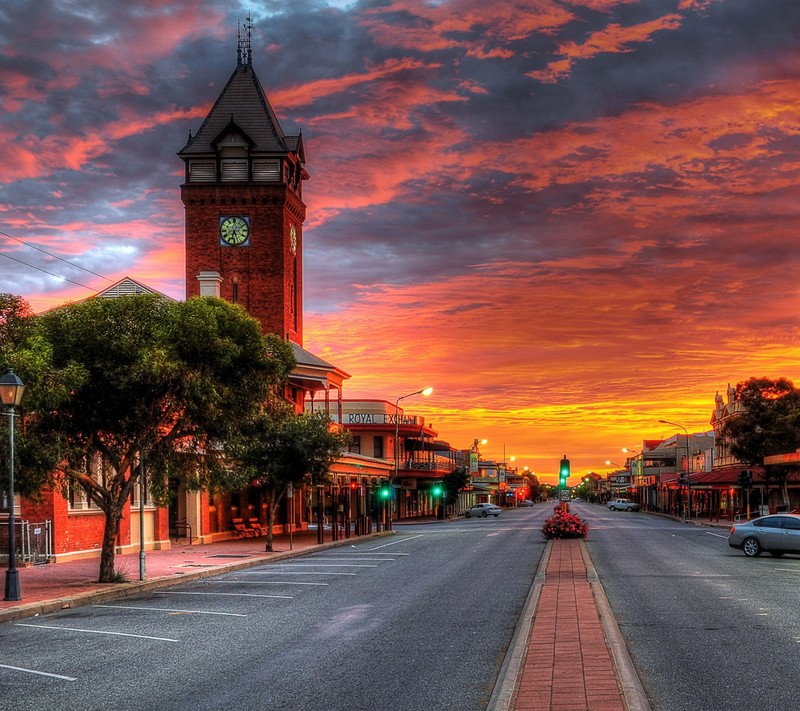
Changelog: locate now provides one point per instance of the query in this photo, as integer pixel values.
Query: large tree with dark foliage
(768, 424)
(112, 381)
(278, 448)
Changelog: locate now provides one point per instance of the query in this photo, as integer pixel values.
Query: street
(418, 620)
(706, 626)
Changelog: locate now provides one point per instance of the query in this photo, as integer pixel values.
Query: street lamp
(11, 389)
(619, 468)
(639, 477)
(425, 392)
(688, 472)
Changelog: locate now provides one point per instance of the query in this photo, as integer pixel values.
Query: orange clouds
(613, 38)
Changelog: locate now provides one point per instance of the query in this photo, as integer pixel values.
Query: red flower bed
(564, 525)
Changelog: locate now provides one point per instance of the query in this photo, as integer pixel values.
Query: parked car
(777, 534)
(623, 505)
(483, 510)
(526, 502)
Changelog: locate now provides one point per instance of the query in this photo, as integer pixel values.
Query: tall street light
(11, 389)
(619, 468)
(688, 472)
(425, 392)
(639, 471)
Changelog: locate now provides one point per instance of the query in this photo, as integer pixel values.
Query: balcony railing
(429, 464)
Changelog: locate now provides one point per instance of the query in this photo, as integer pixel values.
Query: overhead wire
(54, 256)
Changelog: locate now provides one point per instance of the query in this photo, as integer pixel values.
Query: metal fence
(33, 541)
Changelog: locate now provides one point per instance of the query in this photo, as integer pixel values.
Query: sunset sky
(572, 218)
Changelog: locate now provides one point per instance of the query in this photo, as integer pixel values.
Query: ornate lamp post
(11, 389)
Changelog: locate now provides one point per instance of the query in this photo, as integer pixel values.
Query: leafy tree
(454, 482)
(278, 448)
(141, 376)
(534, 486)
(768, 423)
(588, 486)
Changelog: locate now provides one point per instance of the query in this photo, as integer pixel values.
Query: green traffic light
(437, 490)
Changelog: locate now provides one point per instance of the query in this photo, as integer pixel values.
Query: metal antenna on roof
(244, 52)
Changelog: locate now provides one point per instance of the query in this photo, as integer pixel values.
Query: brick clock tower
(242, 194)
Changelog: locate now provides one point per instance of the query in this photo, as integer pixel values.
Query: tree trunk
(107, 572)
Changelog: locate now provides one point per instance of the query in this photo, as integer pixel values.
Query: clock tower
(242, 194)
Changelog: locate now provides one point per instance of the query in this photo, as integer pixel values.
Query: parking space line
(167, 609)
(180, 592)
(292, 572)
(80, 629)
(268, 582)
(394, 543)
(40, 673)
(379, 560)
(326, 565)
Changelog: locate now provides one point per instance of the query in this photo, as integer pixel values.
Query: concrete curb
(502, 697)
(130, 589)
(633, 695)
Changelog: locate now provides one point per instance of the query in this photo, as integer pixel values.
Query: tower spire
(244, 50)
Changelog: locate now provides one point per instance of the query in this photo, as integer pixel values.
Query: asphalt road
(706, 627)
(417, 621)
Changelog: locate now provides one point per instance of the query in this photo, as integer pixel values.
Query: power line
(58, 276)
(54, 256)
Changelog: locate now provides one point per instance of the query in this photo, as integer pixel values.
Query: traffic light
(437, 490)
(745, 478)
(386, 490)
(563, 471)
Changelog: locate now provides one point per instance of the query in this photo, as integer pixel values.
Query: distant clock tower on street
(242, 194)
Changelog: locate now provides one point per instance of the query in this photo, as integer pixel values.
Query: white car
(483, 510)
(622, 505)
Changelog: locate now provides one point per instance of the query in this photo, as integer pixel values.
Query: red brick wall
(76, 531)
(265, 268)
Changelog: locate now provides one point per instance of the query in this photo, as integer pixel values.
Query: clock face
(234, 231)
(293, 239)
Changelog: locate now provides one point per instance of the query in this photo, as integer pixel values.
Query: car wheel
(612, 508)
(751, 547)
(467, 514)
(484, 514)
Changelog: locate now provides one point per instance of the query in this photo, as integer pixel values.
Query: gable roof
(128, 287)
(243, 105)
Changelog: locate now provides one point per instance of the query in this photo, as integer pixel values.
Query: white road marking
(267, 582)
(80, 629)
(175, 592)
(292, 572)
(167, 609)
(325, 565)
(394, 543)
(40, 673)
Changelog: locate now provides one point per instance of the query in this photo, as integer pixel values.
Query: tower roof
(243, 105)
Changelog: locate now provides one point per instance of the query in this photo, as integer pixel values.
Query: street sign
(565, 495)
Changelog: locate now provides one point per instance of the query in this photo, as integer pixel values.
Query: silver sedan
(483, 510)
(777, 534)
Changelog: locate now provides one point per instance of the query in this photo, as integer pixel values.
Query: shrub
(564, 525)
